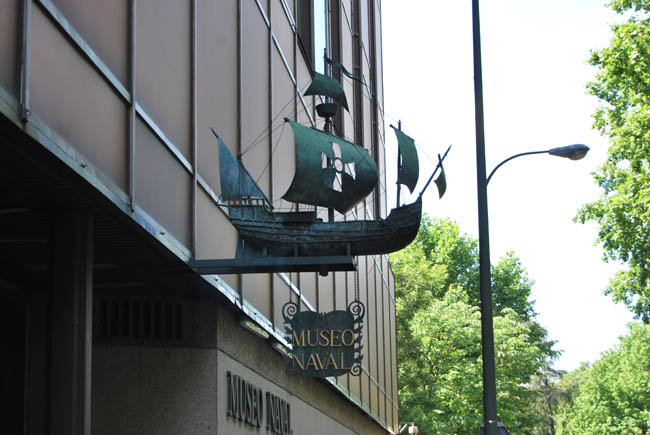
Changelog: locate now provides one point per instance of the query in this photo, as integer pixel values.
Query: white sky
(534, 74)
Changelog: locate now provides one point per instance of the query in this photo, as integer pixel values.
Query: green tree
(439, 334)
(613, 395)
(622, 84)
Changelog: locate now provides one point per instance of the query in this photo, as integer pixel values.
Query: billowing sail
(409, 166)
(328, 87)
(330, 171)
(236, 182)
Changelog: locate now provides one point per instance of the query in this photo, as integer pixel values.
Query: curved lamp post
(491, 424)
(572, 152)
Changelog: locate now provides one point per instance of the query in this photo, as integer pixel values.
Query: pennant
(441, 181)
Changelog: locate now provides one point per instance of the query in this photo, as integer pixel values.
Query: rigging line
(279, 113)
(262, 139)
(268, 163)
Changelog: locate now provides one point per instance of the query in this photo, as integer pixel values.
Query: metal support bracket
(322, 265)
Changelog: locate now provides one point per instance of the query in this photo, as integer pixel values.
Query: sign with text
(324, 344)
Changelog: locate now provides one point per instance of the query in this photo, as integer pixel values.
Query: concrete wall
(183, 390)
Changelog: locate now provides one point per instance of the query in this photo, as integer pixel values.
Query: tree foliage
(613, 395)
(622, 84)
(439, 334)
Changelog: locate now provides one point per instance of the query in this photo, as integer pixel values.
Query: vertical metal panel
(163, 186)
(271, 53)
(10, 51)
(104, 25)
(26, 55)
(65, 90)
(132, 109)
(371, 313)
(193, 126)
(240, 75)
(363, 26)
(373, 398)
(164, 67)
(255, 94)
(216, 83)
(394, 363)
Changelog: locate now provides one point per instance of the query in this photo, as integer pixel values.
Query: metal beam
(322, 265)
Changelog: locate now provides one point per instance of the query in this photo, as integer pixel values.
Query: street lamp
(572, 152)
(491, 424)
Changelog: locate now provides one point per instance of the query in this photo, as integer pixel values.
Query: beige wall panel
(75, 101)
(374, 401)
(355, 386)
(347, 9)
(394, 356)
(10, 53)
(382, 407)
(255, 95)
(326, 293)
(341, 297)
(163, 186)
(163, 67)
(257, 292)
(146, 390)
(365, 389)
(231, 280)
(284, 156)
(367, 123)
(381, 328)
(217, 238)
(303, 77)
(104, 25)
(371, 315)
(282, 30)
(308, 287)
(216, 83)
(379, 54)
(365, 28)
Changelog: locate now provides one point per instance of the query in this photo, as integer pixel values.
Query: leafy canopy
(439, 334)
(622, 84)
(613, 395)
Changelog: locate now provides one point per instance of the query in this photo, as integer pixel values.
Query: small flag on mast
(441, 181)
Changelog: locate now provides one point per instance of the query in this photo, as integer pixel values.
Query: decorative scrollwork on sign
(289, 310)
(358, 310)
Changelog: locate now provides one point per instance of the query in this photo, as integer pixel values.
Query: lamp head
(573, 152)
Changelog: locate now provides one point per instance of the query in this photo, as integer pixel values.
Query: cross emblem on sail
(346, 180)
(339, 167)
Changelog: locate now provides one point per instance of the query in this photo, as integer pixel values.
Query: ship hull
(286, 234)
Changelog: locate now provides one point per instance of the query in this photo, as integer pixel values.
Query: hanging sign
(324, 344)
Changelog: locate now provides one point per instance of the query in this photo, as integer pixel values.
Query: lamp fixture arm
(510, 158)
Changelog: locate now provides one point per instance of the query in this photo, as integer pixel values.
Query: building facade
(109, 189)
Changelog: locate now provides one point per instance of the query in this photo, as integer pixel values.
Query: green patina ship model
(330, 172)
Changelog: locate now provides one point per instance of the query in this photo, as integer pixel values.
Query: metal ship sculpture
(330, 172)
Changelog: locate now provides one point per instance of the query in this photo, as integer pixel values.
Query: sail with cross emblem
(330, 171)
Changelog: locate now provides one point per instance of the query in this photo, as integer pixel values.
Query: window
(313, 31)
